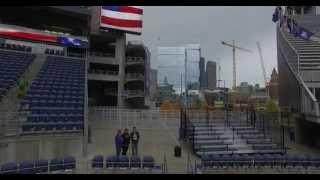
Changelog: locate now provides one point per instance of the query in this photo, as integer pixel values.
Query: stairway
(216, 137)
(303, 58)
(308, 52)
(11, 118)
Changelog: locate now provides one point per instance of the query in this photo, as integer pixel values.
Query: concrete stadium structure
(111, 76)
(298, 62)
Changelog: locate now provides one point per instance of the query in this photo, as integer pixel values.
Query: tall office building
(171, 64)
(202, 77)
(153, 83)
(211, 74)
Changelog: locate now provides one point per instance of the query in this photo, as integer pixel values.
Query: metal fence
(141, 118)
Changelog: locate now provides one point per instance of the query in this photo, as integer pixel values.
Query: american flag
(126, 18)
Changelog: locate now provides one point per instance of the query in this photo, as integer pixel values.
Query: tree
(271, 106)
(166, 106)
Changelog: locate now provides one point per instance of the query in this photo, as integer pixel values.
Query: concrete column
(121, 56)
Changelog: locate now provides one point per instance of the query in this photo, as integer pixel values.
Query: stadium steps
(12, 118)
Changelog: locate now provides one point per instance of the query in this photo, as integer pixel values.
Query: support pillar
(121, 57)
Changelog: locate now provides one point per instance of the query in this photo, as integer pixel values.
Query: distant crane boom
(263, 68)
(262, 64)
(234, 47)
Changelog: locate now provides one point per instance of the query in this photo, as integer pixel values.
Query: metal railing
(258, 166)
(105, 72)
(135, 60)
(134, 76)
(309, 103)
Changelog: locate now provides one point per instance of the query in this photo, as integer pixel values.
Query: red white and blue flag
(125, 18)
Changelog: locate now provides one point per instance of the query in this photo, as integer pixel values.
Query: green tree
(271, 106)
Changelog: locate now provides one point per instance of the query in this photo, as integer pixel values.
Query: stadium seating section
(39, 166)
(12, 66)
(15, 47)
(123, 162)
(55, 99)
(259, 160)
(54, 52)
(235, 138)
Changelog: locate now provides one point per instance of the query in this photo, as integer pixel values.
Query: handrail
(297, 76)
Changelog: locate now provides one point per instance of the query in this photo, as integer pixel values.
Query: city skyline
(253, 24)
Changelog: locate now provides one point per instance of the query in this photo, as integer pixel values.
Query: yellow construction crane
(234, 47)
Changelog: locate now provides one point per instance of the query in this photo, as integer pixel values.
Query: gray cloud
(175, 26)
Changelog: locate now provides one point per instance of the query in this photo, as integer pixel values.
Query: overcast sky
(205, 25)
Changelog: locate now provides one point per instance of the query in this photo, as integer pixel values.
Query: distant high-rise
(153, 82)
(211, 74)
(202, 77)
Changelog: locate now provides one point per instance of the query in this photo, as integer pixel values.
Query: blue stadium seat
(112, 161)
(56, 164)
(148, 162)
(135, 162)
(123, 161)
(27, 167)
(58, 87)
(69, 162)
(97, 161)
(9, 168)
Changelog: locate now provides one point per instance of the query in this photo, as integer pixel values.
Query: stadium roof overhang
(76, 11)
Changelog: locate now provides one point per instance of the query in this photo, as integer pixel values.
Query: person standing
(118, 142)
(135, 136)
(126, 142)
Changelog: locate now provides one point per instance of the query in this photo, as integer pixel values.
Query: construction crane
(234, 47)
(263, 68)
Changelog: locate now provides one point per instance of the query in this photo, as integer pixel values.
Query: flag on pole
(304, 33)
(126, 18)
(275, 16)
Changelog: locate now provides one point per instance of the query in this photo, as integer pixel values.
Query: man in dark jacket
(126, 142)
(135, 136)
(118, 141)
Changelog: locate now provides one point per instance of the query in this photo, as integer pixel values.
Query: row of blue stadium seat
(10, 70)
(49, 126)
(58, 86)
(259, 160)
(62, 72)
(64, 80)
(56, 52)
(25, 104)
(53, 97)
(55, 92)
(54, 118)
(123, 161)
(40, 82)
(15, 47)
(63, 117)
(54, 87)
(39, 166)
(43, 84)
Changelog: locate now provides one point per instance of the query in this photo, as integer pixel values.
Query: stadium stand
(54, 52)
(42, 166)
(55, 99)
(271, 161)
(125, 163)
(218, 137)
(12, 66)
(15, 47)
